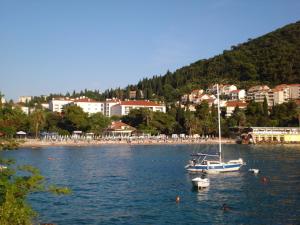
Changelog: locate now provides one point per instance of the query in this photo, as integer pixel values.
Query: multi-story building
(259, 93)
(237, 95)
(193, 96)
(88, 105)
(231, 105)
(204, 97)
(45, 105)
(132, 94)
(109, 103)
(294, 91)
(57, 104)
(224, 89)
(124, 107)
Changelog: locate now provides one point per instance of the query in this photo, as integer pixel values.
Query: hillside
(270, 59)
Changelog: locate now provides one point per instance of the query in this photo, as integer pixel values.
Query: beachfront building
(57, 104)
(124, 107)
(88, 105)
(275, 134)
(119, 129)
(231, 105)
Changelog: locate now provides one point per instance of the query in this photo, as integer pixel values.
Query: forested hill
(270, 59)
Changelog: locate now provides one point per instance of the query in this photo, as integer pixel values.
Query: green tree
(162, 122)
(98, 122)
(37, 121)
(12, 120)
(74, 118)
(14, 190)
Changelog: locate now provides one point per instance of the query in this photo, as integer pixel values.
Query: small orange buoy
(264, 180)
(177, 199)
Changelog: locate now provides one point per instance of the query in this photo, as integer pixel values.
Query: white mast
(219, 123)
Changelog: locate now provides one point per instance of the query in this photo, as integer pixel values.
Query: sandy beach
(36, 143)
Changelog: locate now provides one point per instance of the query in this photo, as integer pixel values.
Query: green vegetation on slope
(271, 59)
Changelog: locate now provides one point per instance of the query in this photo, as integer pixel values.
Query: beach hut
(76, 134)
(119, 129)
(21, 134)
(90, 136)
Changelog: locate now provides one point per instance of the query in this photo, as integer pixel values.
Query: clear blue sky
(57, 46)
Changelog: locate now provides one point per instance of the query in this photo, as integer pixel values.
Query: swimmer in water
(225, 207)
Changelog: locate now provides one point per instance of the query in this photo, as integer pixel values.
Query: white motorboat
(199, 182)
(255, 171)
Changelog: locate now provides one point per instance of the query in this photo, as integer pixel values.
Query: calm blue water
(139, 184)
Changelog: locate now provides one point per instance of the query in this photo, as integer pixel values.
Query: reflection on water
(138, 185)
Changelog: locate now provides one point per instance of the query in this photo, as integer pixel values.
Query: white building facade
(89, 106)
(57, 104)
(124, 107)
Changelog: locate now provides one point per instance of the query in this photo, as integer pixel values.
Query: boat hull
(223, 167)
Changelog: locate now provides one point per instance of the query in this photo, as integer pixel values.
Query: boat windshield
(203, 158)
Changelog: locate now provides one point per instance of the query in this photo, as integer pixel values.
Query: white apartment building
(109, 103)
(124, 107)
(57, 104)
(224, 89)
(204, 97)
(237, 95)
(227, 88)
(294, 91)
(88, 105)
(45, 105)
(193, 96)
(259, 93)
(231, 105)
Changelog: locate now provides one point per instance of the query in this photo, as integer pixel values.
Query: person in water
(177, 199)
(225, 207)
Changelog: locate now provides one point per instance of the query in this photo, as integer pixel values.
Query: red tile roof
(139, 102)
(118, 125)
(236, 104)
(297, 85)
(85, 100)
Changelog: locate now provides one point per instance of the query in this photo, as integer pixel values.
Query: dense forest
(271, 59)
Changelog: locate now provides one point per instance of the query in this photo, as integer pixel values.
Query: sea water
(127, 184)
